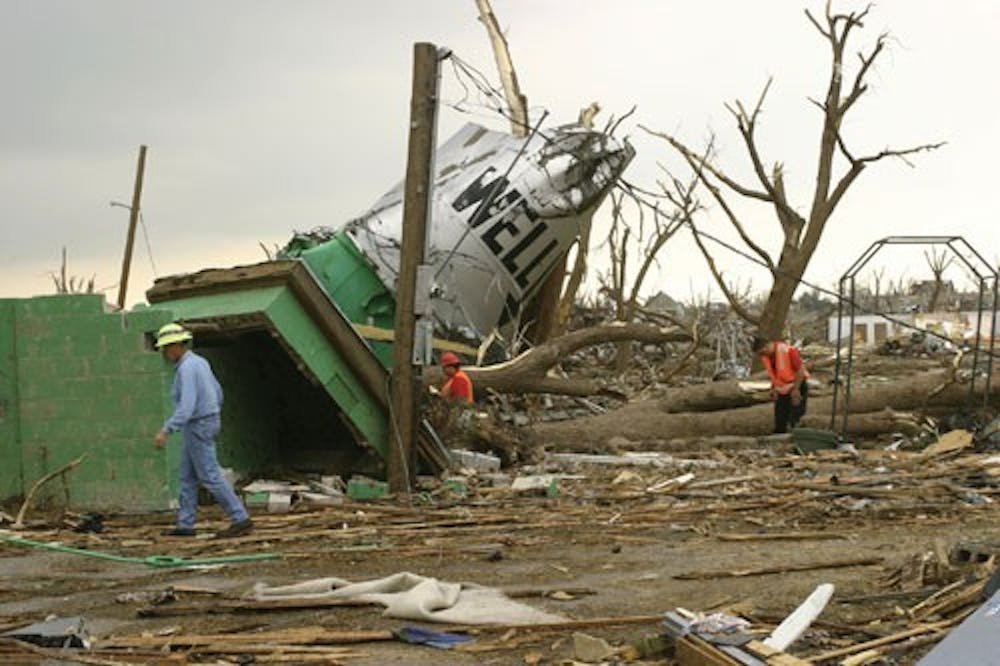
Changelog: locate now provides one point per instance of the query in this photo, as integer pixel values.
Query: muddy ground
(621, 542)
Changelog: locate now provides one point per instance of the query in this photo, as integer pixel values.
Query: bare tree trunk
(542, 311)
(935, 295)
(779, 301)
(568, 299)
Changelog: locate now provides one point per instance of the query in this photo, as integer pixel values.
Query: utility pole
(133, 219)
(406, 378)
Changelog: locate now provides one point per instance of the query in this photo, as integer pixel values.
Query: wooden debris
(781, 536)
(788, 568)
(951, 441)
(879, 642)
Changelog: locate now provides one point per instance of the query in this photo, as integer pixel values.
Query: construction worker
(457, 386)
(197, 399)
(789, 388)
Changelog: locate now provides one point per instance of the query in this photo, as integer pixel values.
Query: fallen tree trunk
(713, 396)
(866, 396)
(642, 421)
(529, 372)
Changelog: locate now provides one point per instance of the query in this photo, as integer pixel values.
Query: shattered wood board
(694, 651)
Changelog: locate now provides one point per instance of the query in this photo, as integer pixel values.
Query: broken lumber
(787, 568)
(781, 536)
(879, 642)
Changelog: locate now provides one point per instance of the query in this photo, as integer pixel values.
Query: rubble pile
(817, 508)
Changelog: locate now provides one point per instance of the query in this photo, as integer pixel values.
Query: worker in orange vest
(457, 386)
(789, 388)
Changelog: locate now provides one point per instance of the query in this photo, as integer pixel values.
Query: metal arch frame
(847, 284)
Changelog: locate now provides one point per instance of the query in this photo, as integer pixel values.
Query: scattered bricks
(481, 462)
(363, 488)
(456, 486)
(539, 484)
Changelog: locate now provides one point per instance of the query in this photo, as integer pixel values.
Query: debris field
(608, 542)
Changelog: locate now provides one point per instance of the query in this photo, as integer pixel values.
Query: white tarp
(412, 597)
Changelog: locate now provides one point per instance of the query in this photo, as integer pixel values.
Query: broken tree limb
(788, 568)
(517, 102)
(19, 521)
(528, 373)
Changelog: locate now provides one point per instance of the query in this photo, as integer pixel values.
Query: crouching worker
(197, 399)
(457, 386)
(789, 388)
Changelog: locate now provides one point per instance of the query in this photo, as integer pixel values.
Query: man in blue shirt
(197, 399)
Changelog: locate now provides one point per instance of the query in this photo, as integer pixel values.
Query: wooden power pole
(133, 219)
(404, 398)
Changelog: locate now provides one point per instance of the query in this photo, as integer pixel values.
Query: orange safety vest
(780, 371)
(458, 387)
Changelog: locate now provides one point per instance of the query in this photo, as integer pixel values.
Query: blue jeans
(199, 464)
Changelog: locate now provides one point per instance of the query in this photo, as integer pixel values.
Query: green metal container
(350, 280)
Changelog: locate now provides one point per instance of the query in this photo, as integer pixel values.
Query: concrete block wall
(88, 382)
(10, 448)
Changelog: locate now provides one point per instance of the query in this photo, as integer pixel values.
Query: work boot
(179, 532)
(236, 529)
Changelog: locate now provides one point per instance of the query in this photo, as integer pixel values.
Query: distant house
(871, 330)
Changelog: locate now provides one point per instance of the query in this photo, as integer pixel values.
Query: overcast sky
(268, 117)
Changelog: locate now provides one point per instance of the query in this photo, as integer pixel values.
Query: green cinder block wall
(78, 379)
(10, 449)
(88, 383)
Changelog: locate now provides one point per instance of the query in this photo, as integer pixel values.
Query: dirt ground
(620, 542)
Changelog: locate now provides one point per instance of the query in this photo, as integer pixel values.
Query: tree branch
(734, 302)
(516, 101)
(528, 373)
(860, 87)
(711, 168)
(730, 215)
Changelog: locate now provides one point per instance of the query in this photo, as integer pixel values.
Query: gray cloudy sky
(266, 117)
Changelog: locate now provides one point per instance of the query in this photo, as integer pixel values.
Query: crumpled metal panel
(488, 257)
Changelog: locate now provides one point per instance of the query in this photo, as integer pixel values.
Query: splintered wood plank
(786, 568)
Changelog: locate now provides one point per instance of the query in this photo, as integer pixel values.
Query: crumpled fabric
(410, 596)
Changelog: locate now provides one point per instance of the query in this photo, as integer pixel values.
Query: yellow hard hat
(171, 333)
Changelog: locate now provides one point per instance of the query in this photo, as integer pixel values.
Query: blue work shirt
(196, 392)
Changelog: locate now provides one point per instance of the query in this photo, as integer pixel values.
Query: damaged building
(302, 344)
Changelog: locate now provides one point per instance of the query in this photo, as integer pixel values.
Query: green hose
(152, 560)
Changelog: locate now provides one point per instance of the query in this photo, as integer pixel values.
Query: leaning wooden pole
(416, 212)
(133, 220)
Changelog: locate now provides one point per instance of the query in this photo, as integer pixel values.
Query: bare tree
(938, 262)
(801, 233)
(645, 237)
(878, 281)
(68, 284)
